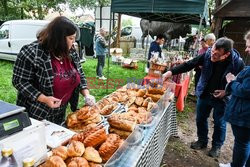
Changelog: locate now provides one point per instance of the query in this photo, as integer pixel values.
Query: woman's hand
(50, 101)
(89, 100)
(230, 77)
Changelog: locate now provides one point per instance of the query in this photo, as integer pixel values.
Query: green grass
(118, 76)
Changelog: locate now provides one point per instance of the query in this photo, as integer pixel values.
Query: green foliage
(74, 4)
(127, 22)
(22, 9)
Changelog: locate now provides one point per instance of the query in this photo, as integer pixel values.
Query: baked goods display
(78, 121)
(98, 137)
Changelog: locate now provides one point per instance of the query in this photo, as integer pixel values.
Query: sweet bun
(92, 155)
(61, 151)
(76, 149)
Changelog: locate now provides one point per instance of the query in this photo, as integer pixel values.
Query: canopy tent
(178, 11)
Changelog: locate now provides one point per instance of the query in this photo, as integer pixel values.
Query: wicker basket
(157, 67)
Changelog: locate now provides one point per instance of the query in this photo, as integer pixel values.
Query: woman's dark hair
(53, 37)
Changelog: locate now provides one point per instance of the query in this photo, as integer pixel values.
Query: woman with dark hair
(238, 113)
(48, 75)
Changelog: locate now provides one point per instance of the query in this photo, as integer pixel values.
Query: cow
(170, 30)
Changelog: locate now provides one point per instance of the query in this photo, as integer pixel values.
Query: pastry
(123, 134)
(61, 151)
(131, 100)
(78, 162)
(83, 113)
(144, 118)
(95, 138)
(55, 161)
(97, 119)
(108, 109)
(92, 164)
(155, 91)
(126, 123)
(146, 101)
(83, 128)
(108, 148)
(141, 92)
(151, 105)
(142, 110)
(72, 119)
(139, 101)
(92, 155)
(155, 97)
(76, 149)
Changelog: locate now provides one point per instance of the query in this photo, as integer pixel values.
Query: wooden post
(118, 31)
(218, 25)
(217, 21)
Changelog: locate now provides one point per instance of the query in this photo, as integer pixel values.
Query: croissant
(92, 155)
(78, 162)
(76, 149)
(108, 148)
(61, 151)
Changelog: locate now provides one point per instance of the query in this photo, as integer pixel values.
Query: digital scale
(12, 119)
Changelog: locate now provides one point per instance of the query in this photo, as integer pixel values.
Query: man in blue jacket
(155, 46)
(238, 113)
(216, 63)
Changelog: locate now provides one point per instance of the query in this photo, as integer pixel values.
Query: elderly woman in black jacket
(48, 75)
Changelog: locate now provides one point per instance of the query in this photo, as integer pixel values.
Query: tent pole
(149, 26)
(107, 83)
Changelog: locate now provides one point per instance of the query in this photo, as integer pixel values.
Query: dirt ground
(178, 152)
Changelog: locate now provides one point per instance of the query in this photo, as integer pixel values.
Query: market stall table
(181, 90)
(145, 147)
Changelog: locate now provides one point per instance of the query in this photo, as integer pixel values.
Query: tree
(74, 4)
(21, 9)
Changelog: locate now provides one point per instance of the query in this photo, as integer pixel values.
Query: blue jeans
(203, 109)
(241, 150)
(100, 65)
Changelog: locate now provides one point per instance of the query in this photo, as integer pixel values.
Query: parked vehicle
(15, 34)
